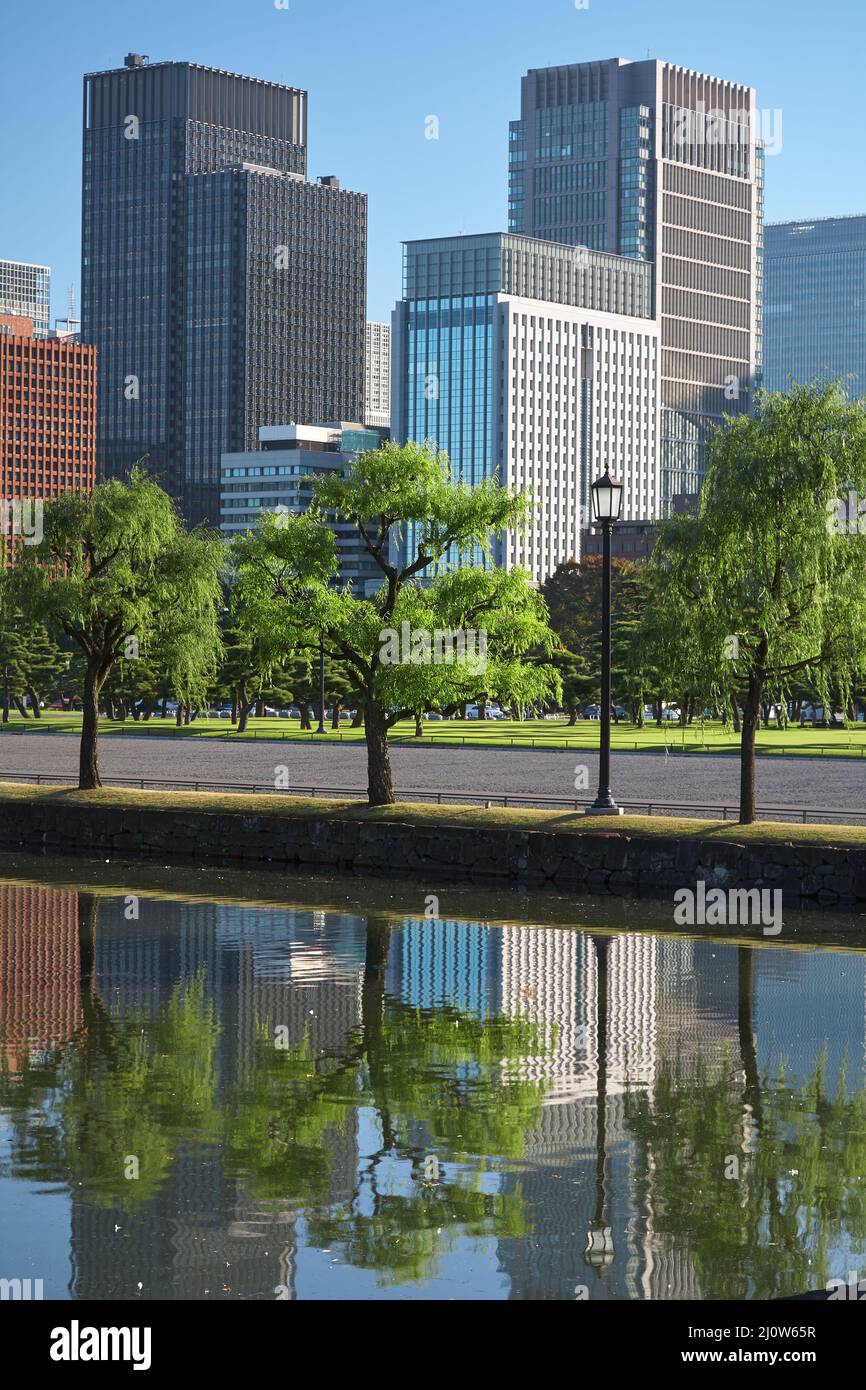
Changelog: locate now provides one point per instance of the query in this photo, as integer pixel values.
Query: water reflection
(240, 1101)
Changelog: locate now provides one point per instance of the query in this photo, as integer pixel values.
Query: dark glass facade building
(816, 303)
(224, 291)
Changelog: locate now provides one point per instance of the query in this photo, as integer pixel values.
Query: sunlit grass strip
(264, 805)
(709, 738)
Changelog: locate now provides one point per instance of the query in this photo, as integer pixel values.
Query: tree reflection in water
(757, 1178)
(442, 1085)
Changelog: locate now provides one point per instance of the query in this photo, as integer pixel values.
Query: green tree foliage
(761, 1226)
(119, 575)
(285, 576)
(29, 659)
(442, 1084)
(573, 594)
(761, 586)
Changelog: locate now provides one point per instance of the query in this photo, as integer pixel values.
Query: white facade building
(537, 364)
(377, 379)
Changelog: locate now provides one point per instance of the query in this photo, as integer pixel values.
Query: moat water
(216, 1086)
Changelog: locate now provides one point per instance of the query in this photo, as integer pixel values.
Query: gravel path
(835, 783)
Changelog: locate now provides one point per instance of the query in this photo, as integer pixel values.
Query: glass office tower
(654, 162)
(223, 290)
(535, 363)
(816, 303)
(25, 291)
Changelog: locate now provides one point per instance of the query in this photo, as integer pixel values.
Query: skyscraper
(816, 303)
(25, 291)
(224, 291)
(536, 363)
(377, 394)
(652, 161)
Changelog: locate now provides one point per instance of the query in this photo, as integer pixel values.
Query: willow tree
(445, 626)
(763, 584)
(116, 571)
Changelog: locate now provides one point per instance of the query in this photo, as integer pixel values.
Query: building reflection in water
(608, 1012)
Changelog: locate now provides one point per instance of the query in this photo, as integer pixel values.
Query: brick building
(47, 422)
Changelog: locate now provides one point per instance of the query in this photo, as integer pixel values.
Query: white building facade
(377, 376)
(535, 363)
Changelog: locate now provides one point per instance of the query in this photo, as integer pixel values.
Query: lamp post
(599, 1253)
(606, 506)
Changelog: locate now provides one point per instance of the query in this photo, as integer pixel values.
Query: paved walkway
(836, 783)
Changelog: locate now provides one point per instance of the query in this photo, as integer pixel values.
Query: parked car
(432, 714)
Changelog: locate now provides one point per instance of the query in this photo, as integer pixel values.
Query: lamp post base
(604, 811)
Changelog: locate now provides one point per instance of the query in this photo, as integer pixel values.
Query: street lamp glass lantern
(606, 499)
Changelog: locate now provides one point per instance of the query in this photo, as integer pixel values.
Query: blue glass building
(531, 362)
(815, 310)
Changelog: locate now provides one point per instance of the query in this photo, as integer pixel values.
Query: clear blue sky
(375, 69)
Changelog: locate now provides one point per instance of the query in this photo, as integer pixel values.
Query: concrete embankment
(813, 866)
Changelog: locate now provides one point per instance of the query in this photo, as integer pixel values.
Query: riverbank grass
(423, 814)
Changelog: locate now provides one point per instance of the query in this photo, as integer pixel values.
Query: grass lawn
(539, 733)
(468, 817)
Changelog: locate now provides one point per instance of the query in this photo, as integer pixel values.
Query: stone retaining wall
(598, 862)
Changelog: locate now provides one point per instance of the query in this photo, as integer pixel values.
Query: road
(835, 783)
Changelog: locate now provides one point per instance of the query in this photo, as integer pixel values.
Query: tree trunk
(187, 715)
(243, 705)
(260, 709)
(6, 697)
(376, 1051)
(419, 724)
(335, 714)
(20, 706)
(178, 718)
(735, 709)
(88, 765)
(572, 717)
(746, 1028)
(34, 701)
(358, 721)
(380, 790)
(751, 716)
